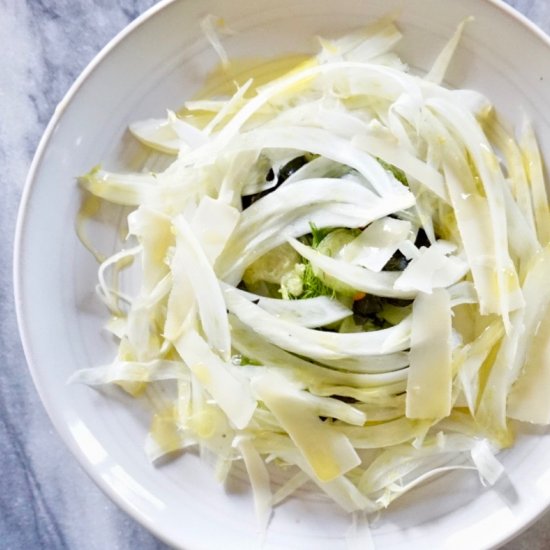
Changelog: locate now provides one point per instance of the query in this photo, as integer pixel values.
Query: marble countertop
(46, 500)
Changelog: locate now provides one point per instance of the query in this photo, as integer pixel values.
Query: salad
(343, 274)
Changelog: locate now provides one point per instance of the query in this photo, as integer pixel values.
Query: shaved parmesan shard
(230, 391)
(377, 243)
(430, 374)
(154, 232)
(213, 224)
(432, 268)
(328, 452)
(528, 399)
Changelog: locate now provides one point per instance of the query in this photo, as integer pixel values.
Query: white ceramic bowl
(160, 60)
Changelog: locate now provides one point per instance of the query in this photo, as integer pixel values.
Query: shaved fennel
(344, 270)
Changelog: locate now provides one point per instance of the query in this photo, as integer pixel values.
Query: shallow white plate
(159, 61)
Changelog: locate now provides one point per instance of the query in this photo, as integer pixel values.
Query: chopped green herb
(317, 235)
(243, 361)
(313, 286)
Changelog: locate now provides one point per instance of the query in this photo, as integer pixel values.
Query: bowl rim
(18, 268)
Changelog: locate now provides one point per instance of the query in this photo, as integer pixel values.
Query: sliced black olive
(345, 399)
(422, 239)
(398, 302)
(368, 306)
(397, 262)
(284, 173)
(289, 168)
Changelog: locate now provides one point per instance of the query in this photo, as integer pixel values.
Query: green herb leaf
(243, 361)
(317, 235)
(397, 172)
(313, 286)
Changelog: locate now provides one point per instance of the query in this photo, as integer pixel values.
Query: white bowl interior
(163, 61)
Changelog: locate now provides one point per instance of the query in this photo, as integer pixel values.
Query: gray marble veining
(46, 501)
